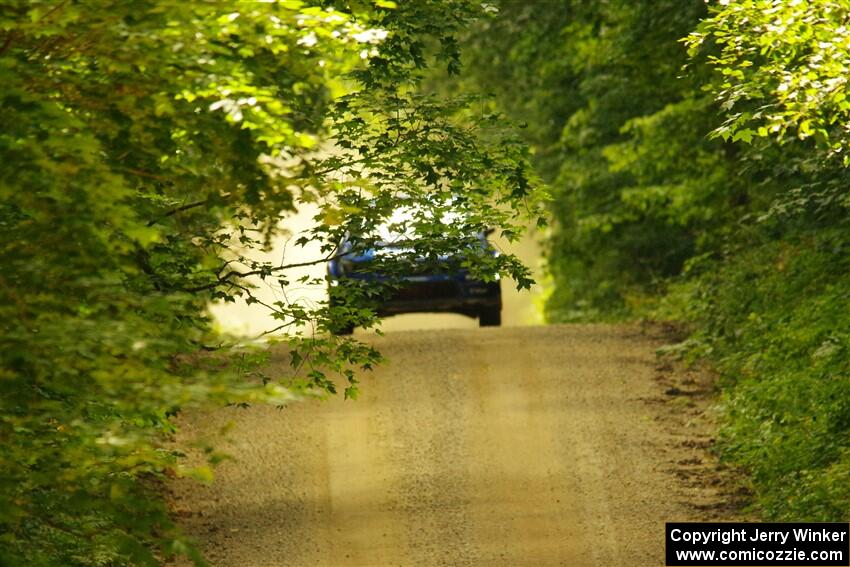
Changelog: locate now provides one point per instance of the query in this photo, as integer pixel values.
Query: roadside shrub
(775, 321)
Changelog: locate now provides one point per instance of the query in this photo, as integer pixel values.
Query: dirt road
(517, 447)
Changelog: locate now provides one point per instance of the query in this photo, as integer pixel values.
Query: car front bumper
(446, 296)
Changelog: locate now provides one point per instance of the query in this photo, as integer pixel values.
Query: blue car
(425, 290)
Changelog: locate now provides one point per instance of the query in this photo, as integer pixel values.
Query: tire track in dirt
(522, 446)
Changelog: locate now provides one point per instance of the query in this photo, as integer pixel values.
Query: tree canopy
(147, 148)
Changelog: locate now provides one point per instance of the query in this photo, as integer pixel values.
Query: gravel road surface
(517, 446)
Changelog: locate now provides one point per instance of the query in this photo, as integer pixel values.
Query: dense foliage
(147, 148)
(774, 312)
(697, 159)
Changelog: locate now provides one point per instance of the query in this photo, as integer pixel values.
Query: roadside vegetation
(697, 155)
(147, 148)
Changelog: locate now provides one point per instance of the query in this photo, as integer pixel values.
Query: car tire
(490, 316)
(347, 330)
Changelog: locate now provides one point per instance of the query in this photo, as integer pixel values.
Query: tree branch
(8, 43)
(142, 173)
(225, 279)
(173, 212)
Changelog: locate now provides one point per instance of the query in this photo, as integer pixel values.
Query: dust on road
(515, 446)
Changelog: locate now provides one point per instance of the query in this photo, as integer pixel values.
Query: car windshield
(399, 228)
